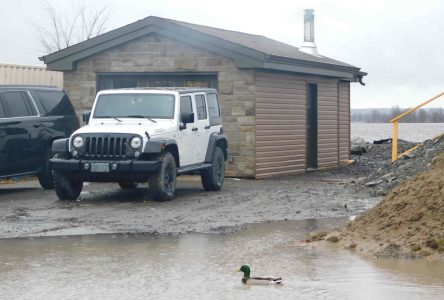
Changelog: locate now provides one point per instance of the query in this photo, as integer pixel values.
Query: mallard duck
(247, 279)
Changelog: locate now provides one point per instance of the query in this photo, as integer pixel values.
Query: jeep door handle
(36, 125)
(194, 129)
(208, 127)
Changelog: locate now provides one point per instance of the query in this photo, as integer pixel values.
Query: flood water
(202, 266)
(412, 132)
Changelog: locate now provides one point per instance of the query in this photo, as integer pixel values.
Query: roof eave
(312, 67)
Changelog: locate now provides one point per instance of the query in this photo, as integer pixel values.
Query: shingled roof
(261, 43)
(247, 50)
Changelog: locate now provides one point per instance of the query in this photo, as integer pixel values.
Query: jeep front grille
(106, 147)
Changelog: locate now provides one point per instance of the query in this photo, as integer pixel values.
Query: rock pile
(379, 175)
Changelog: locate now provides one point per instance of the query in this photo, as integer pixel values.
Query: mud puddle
(202, 266)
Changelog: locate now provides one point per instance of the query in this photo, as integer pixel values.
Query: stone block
(250, 128)
(185, 63)
(225, 87)
(250, 98)
(163, 63)
(101, 65)
(247, 151)
(154, 47)
(226, 112)
(245, 169)
(214, 61)
(82, 76)
(250, 138)
(247, 120)
(236, 136)
(229, 119)
(231, 126)
(250, 111)
(237, 111)
(242, 89)
(229, 98)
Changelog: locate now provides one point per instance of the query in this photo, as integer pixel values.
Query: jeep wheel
(66, 188)
(162, 184)
(213, 177)
(45, 176)
(128, 185)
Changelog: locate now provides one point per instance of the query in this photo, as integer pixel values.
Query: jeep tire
(45, 176)
(162, 183)
(66, 188)
(213, 177)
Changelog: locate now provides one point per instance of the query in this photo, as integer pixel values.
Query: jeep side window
(213, 106)
(185, 104)
(2, 110)
(214, 110)
(18, 105)
(201, 107)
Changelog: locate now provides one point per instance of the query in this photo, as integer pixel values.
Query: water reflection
(201, 266)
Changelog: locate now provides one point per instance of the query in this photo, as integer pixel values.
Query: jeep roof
(180, 90)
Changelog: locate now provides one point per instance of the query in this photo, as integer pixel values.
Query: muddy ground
(26, 210)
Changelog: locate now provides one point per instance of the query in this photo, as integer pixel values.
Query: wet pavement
(202, 266)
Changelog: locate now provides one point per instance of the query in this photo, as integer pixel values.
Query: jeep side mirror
(86, 116)
(186, 117)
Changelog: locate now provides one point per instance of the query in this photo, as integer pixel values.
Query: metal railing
(395, 122)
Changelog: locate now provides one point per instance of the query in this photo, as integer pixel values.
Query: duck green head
(246, 270)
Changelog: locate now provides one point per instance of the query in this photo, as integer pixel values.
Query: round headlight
(77, 142)
(136, 142)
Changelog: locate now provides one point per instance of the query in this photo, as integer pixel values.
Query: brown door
(312, 126)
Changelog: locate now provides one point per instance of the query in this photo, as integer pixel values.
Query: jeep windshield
(149, 106)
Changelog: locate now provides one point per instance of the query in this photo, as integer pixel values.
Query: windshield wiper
(109, 117)
(141, 117)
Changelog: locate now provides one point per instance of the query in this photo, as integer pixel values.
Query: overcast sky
(400, 43)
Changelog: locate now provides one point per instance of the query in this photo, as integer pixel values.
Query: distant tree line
(429, 115)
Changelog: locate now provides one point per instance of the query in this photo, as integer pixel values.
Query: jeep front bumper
(88, 170)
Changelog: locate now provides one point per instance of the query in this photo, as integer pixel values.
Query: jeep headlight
(77, 142)
(136, 142)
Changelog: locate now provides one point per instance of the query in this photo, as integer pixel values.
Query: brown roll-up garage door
(280, 125)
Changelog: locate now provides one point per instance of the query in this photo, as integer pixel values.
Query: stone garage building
(284, 111)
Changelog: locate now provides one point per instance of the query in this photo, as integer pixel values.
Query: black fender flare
(216, 139)
(60, 145)
(157, 146)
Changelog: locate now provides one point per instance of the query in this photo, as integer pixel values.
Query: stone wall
(155, 53)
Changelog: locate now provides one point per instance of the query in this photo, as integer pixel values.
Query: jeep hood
(129, 126)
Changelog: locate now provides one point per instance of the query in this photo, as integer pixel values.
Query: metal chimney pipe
(309, 45)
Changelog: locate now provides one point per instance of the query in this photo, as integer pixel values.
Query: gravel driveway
(26, 210)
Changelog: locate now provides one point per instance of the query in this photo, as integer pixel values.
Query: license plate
(100, 167)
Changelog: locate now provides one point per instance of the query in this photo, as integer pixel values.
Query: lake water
(202, 266)
(413, 132)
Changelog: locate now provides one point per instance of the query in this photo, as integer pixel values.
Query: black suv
(31, 118)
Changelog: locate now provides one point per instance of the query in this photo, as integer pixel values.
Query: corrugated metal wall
(29, 75)
(280, 124)
(344, 120)
(328, 123)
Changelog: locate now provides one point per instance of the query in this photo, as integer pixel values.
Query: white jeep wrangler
(144, 135)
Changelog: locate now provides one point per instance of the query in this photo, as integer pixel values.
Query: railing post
(395, 141)
(395, 125)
